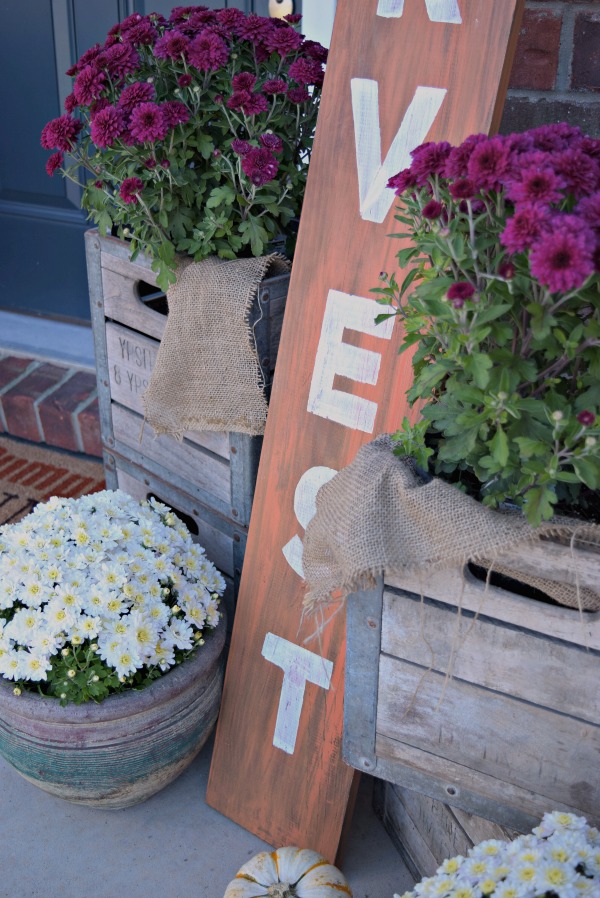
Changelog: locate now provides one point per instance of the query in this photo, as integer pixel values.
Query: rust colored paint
(418, 73)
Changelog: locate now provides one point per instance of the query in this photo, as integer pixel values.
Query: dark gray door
(42, 260)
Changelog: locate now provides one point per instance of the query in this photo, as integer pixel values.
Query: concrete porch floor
(171, 846)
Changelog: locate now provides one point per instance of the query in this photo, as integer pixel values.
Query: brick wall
(556, 72)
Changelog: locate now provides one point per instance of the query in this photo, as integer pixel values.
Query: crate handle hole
(186, 518)
(152, 297)
(501, 581)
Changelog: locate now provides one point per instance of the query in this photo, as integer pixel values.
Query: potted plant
(111, 647)
(501, 307)
(561, 857)
(192, 135)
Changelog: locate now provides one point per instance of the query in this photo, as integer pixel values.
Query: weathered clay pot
(123, 750)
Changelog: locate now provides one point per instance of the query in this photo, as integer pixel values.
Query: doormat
(31, 474)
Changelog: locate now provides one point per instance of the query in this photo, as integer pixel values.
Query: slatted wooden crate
(515, 730)
(427, 831)
(212, 475)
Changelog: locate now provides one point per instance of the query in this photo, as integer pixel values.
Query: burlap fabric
(207, 374)
(378, 515)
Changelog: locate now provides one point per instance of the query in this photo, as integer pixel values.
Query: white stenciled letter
(305, 507)
(299, 668)
(437, 10)
(375, 197)
(344, 310)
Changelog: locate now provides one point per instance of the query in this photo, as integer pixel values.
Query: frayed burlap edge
(207, 375)
(377, 516)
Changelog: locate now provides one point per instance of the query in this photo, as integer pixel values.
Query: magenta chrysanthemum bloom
(293, 18)
(260, 165)
(70, 104)
(403, 180)
(150, 162)
(175, 113)
(432, 210)
(184, 80)
(274, 86)
(488, 163)
(314, 50)
(201, 16)
(229, 18)
(85, 59)
(89, 85)
(61, 133)
(306, 71)
(429, 159)
(580, 173)
(208, 52)
(298, 95)
(241, 147)
(244, 81)
(271, 142)
(506, 270)
(461, 290)
(255, 104)
(589, 209)
(562, 258)
(127, 23)
(134, 94)
(143, 33)
(54, 163)
(554, 138)
(129, 189)
(586, 418)
(120, 60)
(172, 45)
(525, 227)
(536, 185)
(237, 99)
(252, 27)
(147, 123)
(462, 189)
(181, 13)
(283, 41)
(107, 126)
(457, 163)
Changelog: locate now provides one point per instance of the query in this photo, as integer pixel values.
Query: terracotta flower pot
(120, 752)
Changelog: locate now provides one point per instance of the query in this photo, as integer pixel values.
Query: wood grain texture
(302, 798)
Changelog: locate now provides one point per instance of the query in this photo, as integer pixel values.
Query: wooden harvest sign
(398, 74)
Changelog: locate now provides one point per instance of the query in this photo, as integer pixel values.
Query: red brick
(18, 401)
(536, 56)
(12, 367)
(585, 65)
(89, 427)
(56, 411)
(521, 113)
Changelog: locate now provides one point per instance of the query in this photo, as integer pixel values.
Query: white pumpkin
(288, 873)
(280, 8)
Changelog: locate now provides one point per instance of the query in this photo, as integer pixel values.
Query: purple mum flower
(589, 209)
(61, 133)
(402, 181)
(283, 40)
(489, 163)
(537, 185)
(86, 58)
(241, 147)
(134, 94)
(554, 138)
(208, 52)
(462, 189)
(525, 227)
(147, 123)
(432, 210)
(172, 45)
(259, 165)
(274, 86)
(586, 418)
(120, 60)
(143, 33)
(70, 104)
(306, 71)
(184, 80)
(253, 28)
(175, 113)
(562, 258)
(580, 172)
(107, 125)
(429, 159)
(457, 163)
(271, 142)
(460, 290)
(129, 190)
(54, 163)
(89, 85)
(314, 50)
(244, 81)
(298, 94)
(255, 104)
(237, 99)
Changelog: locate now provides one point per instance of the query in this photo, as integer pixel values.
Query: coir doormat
(31, 474)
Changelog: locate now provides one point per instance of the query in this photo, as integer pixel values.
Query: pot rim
(174, 682)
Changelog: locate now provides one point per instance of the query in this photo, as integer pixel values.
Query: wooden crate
(214, 472)
(427, 831)
(514, 732)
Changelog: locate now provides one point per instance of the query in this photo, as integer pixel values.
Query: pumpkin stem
(281, 890)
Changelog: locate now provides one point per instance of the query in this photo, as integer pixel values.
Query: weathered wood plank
(459, 587)
(578, 565)
(189, 467)
(481, 651)
(514, 742)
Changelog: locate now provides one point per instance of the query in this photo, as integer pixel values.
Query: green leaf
(538, 504)
(588, 471)
(478, 366)
(499, 447)
(529, 447)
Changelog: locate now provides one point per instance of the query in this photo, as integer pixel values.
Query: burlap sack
(378, 515)
(207, 374)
